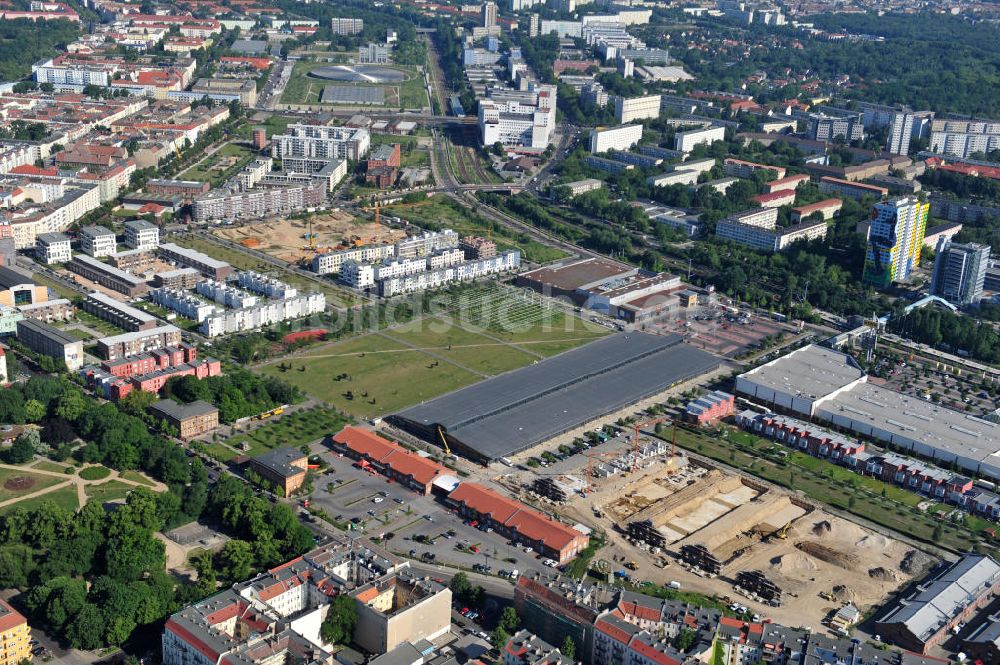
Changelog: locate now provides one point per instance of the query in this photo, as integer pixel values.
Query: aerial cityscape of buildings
(502, 333)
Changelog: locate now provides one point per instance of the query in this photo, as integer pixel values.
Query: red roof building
(408, 468)
(519, 522)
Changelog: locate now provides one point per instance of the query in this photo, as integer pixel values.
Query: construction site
(297, 241)
(677, 519)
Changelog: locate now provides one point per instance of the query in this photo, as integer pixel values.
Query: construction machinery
(444, 441)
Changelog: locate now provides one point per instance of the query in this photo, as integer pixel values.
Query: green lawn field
(109, 491)
(485, 330)
(65, 498)
(379, 369)
(38, 482)
(214, 168)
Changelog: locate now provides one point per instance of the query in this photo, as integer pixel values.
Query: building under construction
(756, 583)
(701, 558)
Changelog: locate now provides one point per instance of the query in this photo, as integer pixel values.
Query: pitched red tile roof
(365, 443)
(653, 653)
(9, 617)
(515, 515)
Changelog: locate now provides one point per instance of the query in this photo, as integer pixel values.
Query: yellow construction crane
(444, 441)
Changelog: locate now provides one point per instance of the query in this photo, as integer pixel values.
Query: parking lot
(928, 379)
(414, 525)
(722, 330)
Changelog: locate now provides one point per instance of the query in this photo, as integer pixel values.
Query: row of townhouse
(888, 467)
(619, 627)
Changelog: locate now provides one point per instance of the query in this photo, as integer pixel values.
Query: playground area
(288, 239)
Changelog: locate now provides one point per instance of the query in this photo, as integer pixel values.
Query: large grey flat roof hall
(512, 412)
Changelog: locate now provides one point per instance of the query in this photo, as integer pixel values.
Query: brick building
(190, 420)
(285, 467)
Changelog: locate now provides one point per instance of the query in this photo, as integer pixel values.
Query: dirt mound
(829, 555)
(915, 562)
(793, 563)
(822, 528)
(883, 574)
(843, 594)
(19, 483)
(873, 541)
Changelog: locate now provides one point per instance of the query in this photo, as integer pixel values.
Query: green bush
(95, 473)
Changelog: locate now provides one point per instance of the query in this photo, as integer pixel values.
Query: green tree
(499, 637)
(237, 559)
(460, 585)
(568, 648)
(338, 626)
(23, 449)
(71, 405)
(34, 410)
(509, 619)
(685, 640)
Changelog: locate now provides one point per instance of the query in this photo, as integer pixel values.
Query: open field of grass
(294, 430)
(822, 481)
(277, 124)
(221, 164)
(63, 292)
(35, 482)
(137, 477)
(47, 465)
(65, 498)
(436, 354)
(466, 348)
(109, 491)
(335, 295)
(378, 370)
(442, 212)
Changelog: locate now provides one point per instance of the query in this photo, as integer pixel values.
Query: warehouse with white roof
(827, 385)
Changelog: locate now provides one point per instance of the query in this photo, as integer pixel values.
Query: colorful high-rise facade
(894, 240)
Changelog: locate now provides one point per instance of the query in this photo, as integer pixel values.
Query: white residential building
(142, 235)
(183, 303)
(346, 26)
(98, 241)
(357, 275)
(636, 108)
(686, 141)
(622, 137)
(53, 248)
(321, 141)
(331, 262)
(223, 294)
(962, 138)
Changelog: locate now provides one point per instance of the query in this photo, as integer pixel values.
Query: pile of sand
(916, 562)
(822, 528)
(873, 541)
(794, 563)
(843, 594)
(829, 555)
(883, 574)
